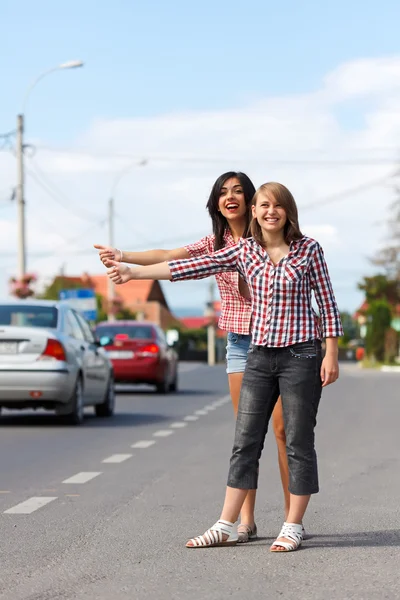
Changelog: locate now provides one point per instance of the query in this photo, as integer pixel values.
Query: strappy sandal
(213, 536)
(246, 533)
(291, 531)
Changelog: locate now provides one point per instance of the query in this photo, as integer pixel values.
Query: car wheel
(162, 387)
(106, 408)
(75, 417)
(174, 384)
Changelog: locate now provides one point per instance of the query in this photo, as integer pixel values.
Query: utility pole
(210, 312)
(111, 286)
(20, 198)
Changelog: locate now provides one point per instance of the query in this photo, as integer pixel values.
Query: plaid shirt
(235, 309)
(281, 294)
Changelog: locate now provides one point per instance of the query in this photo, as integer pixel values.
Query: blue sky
(150, 57)
(150, 64)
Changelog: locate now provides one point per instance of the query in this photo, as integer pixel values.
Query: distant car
(49, 359)
(140, 354)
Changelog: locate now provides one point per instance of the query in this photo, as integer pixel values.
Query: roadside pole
(111, 286)
(20, 198)
(210, 312)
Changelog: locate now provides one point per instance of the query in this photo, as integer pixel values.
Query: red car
(139, 353)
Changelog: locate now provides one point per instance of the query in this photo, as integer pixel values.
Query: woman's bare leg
(247, 510)
(280, 436)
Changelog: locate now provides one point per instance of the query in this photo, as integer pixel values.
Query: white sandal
(291, 531)
(213, 536)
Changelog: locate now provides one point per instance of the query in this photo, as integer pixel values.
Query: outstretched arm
(119, 273)
(108, 254)
(226, 259)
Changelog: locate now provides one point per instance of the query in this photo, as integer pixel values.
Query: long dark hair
(219, 223)
(280, 193)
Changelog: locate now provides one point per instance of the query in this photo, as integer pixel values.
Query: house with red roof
(145, 298)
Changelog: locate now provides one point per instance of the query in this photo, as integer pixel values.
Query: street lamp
(117, 179)
(72, 64)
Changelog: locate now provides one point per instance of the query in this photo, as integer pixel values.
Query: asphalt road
(117, 529)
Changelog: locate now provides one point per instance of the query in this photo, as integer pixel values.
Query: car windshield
(28, 315)
(134, 332)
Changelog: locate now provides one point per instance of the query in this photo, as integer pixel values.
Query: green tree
(52, 291)
(350, 328)
(379, 317)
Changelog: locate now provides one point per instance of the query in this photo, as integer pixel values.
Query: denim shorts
(236, 352)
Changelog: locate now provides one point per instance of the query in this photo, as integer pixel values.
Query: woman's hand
(108, 253)
(329, 369)
(119, 273)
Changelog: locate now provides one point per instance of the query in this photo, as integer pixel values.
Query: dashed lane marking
(143, 444)
(178, 425)
(29, 506)
(117, 458)
(191, 418)
(201, 412)
(163, 433)
(82, 477)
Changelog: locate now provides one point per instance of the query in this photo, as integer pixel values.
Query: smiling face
(231, 201)
(270, 214)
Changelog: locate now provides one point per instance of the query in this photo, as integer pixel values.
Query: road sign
(84, 301)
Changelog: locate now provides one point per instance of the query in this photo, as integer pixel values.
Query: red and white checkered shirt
(235, 309)
(281, 294)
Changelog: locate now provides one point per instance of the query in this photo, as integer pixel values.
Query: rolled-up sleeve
(227, 259)
(331, 325)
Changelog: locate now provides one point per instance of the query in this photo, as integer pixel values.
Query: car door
(84, 355)
(99, 367)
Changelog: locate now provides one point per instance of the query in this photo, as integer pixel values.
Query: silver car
(49, 359)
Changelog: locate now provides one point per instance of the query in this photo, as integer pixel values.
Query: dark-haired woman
(283, 269)
(229, 207)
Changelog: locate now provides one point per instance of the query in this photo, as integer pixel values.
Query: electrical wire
(348, 192)
(5, 140)
(321, 162)
(57, 195)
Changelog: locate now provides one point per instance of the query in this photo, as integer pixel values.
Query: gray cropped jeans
(294, 373)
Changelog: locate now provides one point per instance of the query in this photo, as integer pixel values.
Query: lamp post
(20, 197)
(118, 177)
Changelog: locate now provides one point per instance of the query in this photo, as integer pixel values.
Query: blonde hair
(280, 194)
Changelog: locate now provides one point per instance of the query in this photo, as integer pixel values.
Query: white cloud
(162, 203)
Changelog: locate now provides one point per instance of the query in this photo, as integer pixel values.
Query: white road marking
(178, 425)
(82, 477)
(163, 433)
(201, 412)
(210, 407)
(29, 506)
(190, 418)
(117, 458)
(143, 444)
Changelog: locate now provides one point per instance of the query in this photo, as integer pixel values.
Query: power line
(322, 162)
(5, 140)
(56, 194)
(348, 192)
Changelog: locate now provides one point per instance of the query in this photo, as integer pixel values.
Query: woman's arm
(330, 364)
(329, 315)
(119, 273)
(321, 284)
(108, 254)
(191, 268)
